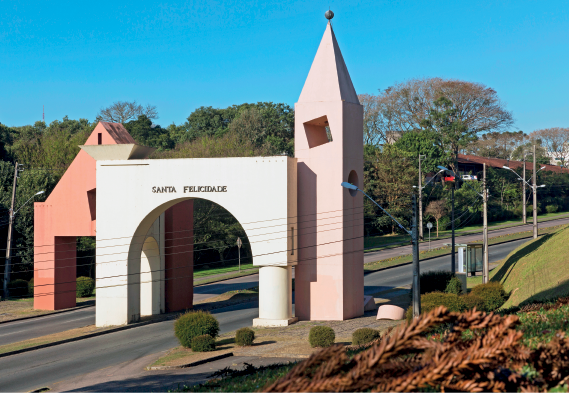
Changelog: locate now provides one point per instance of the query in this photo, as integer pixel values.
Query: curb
(97, 334)
(46, 315)
(79, 338)
(438, 256)
(225, 279)
(93, 305)
(193, 364)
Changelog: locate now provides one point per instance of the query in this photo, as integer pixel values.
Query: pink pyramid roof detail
(119, 134)
(328, 79)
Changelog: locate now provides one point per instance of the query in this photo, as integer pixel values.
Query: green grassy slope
(537, 270)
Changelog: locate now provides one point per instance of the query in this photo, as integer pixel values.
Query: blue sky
(76, 57)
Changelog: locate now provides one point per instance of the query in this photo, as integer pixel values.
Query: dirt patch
(22, 308)
(51, 338)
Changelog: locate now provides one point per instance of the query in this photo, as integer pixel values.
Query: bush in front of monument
(203, 343)
(364, 336)
(244, 337)
(85, 286)
(18, 288)
(193, 324)
(321, 336)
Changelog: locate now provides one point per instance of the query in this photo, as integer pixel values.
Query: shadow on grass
(506, 268)
(549, 295)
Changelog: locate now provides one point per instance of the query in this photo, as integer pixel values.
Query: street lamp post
(414, 240)
(534, 188)
(7, 265)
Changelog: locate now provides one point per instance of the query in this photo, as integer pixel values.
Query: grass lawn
(221, 270)
(385, 241)
(21, 308)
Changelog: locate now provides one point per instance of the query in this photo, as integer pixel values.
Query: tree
(555, 141)
(389, 179)
(148, 134)
(229, 145)
(268, 123)
(438, 210)
(451, 132)
(497, 144)
(372, 131)
(123, 111)
(413, 143)
(404, 106)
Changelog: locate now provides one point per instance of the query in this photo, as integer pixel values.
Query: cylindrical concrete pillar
(275, 296)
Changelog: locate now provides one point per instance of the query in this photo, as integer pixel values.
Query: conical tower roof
(328, 79)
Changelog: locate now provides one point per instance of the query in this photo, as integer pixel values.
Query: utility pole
(524, 214)
(534, 197)
(8, 262)
(416, 272)
(486, 265)
(452, 254)
(420, 201)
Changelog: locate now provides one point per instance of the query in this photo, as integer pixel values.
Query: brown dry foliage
(490, 360)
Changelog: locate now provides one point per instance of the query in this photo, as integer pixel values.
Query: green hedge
(430, 301)
(193, 324)
(85, 286)
(364, 336)
(454, 286)
(203, 343)
(321, 336)
(31, 287)
(244, 337)
(434, 281)
(492, 293)
(472, 300)
(18, 288)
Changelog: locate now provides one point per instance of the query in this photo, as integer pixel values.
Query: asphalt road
(406, 250)
(32, 370)
(31, 328)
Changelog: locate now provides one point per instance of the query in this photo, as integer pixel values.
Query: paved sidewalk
(131, 376)
(406, 250)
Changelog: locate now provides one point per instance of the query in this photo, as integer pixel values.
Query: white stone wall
(260, 192)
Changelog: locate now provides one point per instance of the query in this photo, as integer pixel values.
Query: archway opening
(188, 241)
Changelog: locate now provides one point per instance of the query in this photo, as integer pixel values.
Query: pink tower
(329, 148)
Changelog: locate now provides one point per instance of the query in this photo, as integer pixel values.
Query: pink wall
(329, 276)
(179, 256)
(68, 212)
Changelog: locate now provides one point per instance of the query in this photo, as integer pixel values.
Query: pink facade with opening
(70, 211)
(329, 148)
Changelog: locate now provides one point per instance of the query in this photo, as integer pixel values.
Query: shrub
(430, 301)
(203, 343)
(551, 208)
(321, 336)
(18, 288)
(434, 281)
(364, 336)
(31, 287)
(244, 337)
(492, 293)
(193, 324)
(454, 286)
(85, 286)
(473, 300)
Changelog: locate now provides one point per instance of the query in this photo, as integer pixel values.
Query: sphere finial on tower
(329, 14)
